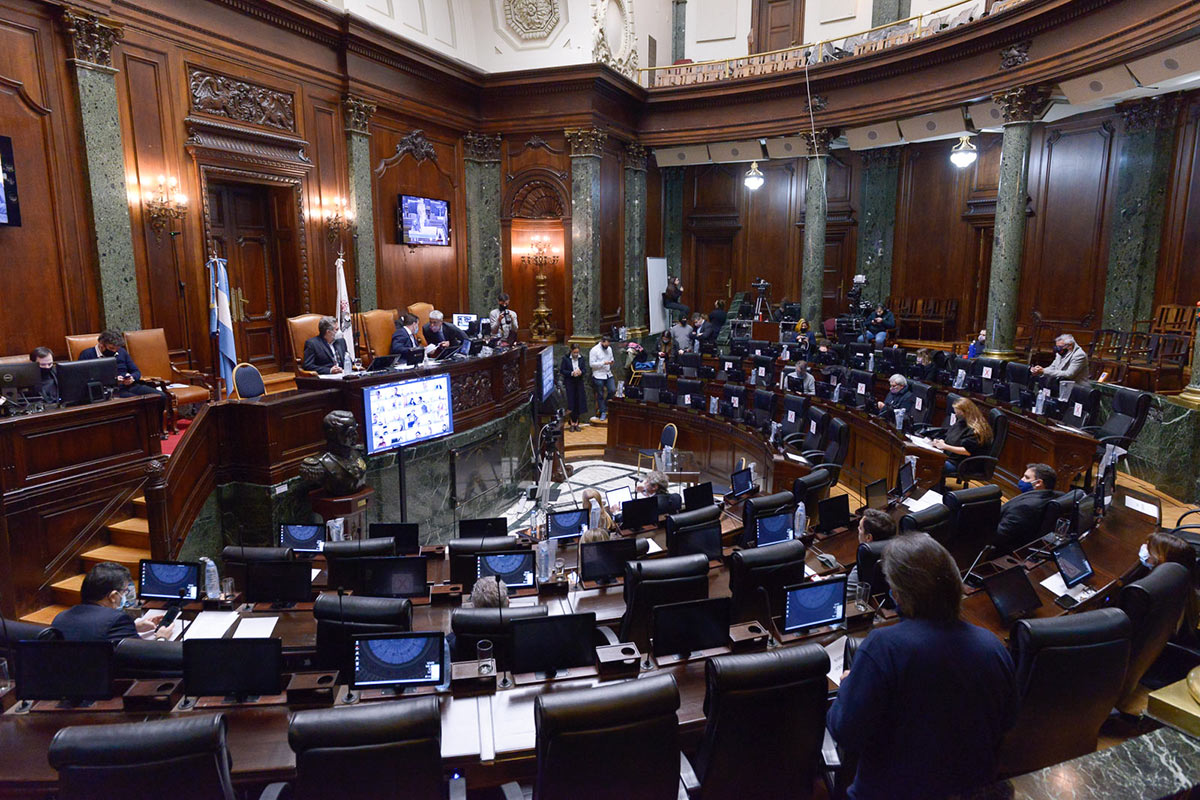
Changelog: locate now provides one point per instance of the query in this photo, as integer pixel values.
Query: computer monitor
(550, 644)
(773, 529)
(236, 669)
(567, 524)
(705, 539)
(877, 494)
(1012, 594)
(82, 382)
(515, 569)
(281, 583)
(906, 481)
(396, 661)
(1072, 563)
(487, 526)
(302, 537)
(72, 672)
(1083, 517)
(168, 580)
(604, 562)
(405, 534)
(639, 513)
(813, 604)
(740, 483)
(14, 378)
(698, 496)
(833, 513)
(614, 498)
(392, 576)
(383, 363)
(463, 321)
(689, 627)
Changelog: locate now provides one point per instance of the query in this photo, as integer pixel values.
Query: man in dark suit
(441, 335)
(325, 354)
(1021, 517)
(404, 340)
(898, 396)
(111, 344)
(106, 591)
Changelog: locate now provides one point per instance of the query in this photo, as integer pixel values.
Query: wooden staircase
(128, 543)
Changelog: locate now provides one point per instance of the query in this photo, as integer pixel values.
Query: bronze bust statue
(341, 470)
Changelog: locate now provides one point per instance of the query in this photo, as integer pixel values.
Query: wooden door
(713, 259)
(243, 233)
(777, 24)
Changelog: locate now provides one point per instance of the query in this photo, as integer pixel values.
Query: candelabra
(164, 204)
(539, 259)
(339, 218)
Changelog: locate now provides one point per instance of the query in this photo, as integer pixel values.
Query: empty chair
(925, 400)
(778, 697)
(934, 520)
(815, 430)
(689, 364)
(139, 658)
(974, 516)
(811, 489)
(247, 382)
(1069, 672)
(376, 750)
(689, 392)
(184, 759)
(758, 576)
(694, 518)
(764, 369)
(13, 631)
(988, 369)
(733, 402)
(235, 558)
(858, 354)
(463, 553)
(1018, 373)
(340, 618)
(1129, 410)
(340, 558)
(652, 385)
(833, 454)
(655, 583)
(471, 625)
(764, 408)
(1061, 507)
(795, 414)
(761, 506)
(668, 437)
(1081, 407)
(1154, 605)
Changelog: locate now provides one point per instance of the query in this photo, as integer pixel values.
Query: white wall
(859, 19)
(497, 51)
(717, 29)
(446, 26)
(653, 18)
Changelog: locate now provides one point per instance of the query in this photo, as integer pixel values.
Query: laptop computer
(1012, 594)
(814, 604)
(833, 513)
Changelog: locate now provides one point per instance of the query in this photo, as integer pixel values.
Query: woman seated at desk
(969, 433)
(598, 515)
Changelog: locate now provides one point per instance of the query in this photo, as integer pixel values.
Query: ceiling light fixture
(754, 177)
(963, 154)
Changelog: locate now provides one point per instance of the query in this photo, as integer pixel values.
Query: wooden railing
(174, 495)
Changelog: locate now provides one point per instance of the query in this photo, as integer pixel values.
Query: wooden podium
(351, 507)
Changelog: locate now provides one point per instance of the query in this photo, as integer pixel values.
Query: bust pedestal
(352, 507)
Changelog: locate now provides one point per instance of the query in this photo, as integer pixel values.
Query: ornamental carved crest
(531, 19)
(222, 96)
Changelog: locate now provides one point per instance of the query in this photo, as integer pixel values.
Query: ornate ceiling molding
(531, 19)
(481, 146)
(241, 101)
(1016, 55)
(586, 142)
(358, 111)
(620, 55)
(91, 38)
(420, 149)
(1023, 103)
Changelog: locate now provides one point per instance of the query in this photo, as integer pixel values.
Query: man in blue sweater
(928, 699)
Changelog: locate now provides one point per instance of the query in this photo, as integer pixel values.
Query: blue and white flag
(220, 321)
(345, 321)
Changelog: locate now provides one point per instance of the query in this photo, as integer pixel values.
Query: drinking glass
(226, 588)
(483, 649)
(5, 681)
(862, 596)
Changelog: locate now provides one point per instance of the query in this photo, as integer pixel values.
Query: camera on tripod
(761, 286)
(858, 306)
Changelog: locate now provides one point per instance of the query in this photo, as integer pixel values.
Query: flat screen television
(10, 207)
(406, 412)
(423, 220)
(547, 373)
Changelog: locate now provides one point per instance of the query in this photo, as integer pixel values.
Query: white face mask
(128, 597)
(1144, 556)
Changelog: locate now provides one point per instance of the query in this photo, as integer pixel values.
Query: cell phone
(168, 619)
(1065, 601)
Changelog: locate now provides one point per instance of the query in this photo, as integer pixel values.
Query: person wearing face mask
(899, 396)
(805, 336)
(926, 370)
(504, 319)
(106, 591)
(1159, 548)
(47, 390)
(877, 324)
(111, 344)
(1021, 517)
(975, 349)
(573, 369)
(1070, 362)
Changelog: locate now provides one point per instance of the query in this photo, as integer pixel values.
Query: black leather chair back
(1129, 410)
(471, 625)
(13, 631)
(837, 442)
(814, 431)
(730, 395)
(688, 388)
(183, 759)
(1069, 671)
(464, 551)
(235, 558)
(1081, 406)
(340, 558)
(1155, 605)
(999, 422)
(1016, 372)
(926, 397)
(778, 697)
(767, 568)
(655, 583)
(869, 560)
(763, 505)
(691, 519)
(369, 751)
(340, 618)
(811, 489)
(614, 742)
(138, 658)
(957, 363)
(764, 368)
(795, 414)
(974, 516)
(934, 520)
(1061, 507)
(764, 407)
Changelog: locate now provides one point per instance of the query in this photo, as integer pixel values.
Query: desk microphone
(351, 695)
(968, 576)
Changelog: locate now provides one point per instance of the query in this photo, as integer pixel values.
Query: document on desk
(921, 441)
(1056, 584)
(654, 547)
(255, 628)
(334, 377)
(210, 625)
(798, 459)
(927, 500)
(836, 649)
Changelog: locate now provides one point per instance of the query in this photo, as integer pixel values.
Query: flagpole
(214, 345)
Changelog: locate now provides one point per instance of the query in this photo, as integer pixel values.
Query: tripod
(762, 303)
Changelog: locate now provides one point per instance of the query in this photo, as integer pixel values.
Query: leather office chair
(811, 489)
(340, 618)
(858, 354)
(692, 518)
(764, 369)
(375, 329)
(655, 583)
(689, 393)
(764, 409)
(982, 467)
(463, 553)
(471, 625)
(247, 382)
(815, 430)
(421, 312)
(733, 402)
(926, 398)
(934, 520)
(833, 453)
(370, 751)
(869, 560)
(184, 759)
(777, 696)
(761, 506)
(854, 380)
(1129, 410)
(1155, 605)
(1061, 507)
(1018, 373)
(1069, 671)
(340, 559)
(758, 576)
(235, 558)
(974, 516)
(795, 417)
(77, 344)
(300, 330)
(14, 630)
(1082, 406)
(148, 349)
(138, 658)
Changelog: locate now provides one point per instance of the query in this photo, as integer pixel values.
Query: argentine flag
(220, 321)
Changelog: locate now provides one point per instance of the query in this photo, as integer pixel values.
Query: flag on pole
(345, 322)
(220, 321)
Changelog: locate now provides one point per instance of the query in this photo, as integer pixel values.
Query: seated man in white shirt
(600, 360)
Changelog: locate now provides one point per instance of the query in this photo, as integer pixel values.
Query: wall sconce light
(963, 154)
(339, 218)
(754, 177)
(164, 204)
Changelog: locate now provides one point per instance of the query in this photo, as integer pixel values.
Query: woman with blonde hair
(969, 435)
(605, 522)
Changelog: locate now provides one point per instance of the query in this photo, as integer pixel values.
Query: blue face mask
(1025, 486)
(1144, 556)
(128, 597)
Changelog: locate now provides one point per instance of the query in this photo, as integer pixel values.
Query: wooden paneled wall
(1179, 258)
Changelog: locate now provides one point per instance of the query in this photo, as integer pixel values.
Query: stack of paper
(927, 500)
(1056, 584)
(255, 628)
(210, 625)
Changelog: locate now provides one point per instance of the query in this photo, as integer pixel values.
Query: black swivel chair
(463, 554)
(1061, 507)
(778, 697)
(869, 561)
(974, 516)
(761, 506)
(934, 520)
(764, 409)
(689, 393)
(1129, 410)
(795, 416)
(858, 354)
(1069, 671)
(816, 429)
(764, 369)
(758, 576)
(1081, 407)
(138, 658)
(833, 454)
(1155, 605)
(982, 467)
(811, 489)
(655, 583)
(340, 558)
(236, 557)
(184, 759)
(472, 625)
(859, 389)
(690, 364)
(13, 631)
(690, 520)
(377, 750)
(341, 618)
(653, 385)
(924, 403)
(733, 402)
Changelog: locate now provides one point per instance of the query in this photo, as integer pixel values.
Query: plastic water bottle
(800, 520)
(212, 579)
(594, 516)
(546, 553)
(871, 362)
(900, 412)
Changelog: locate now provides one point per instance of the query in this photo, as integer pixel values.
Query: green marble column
(1191, 394)
(587, 149)
(678, 29)
(92, 40)
(1143, 172)
(672, 178)
(1021, 107)
(637, 303)
(885, 11)
(877, 224)
(812, 275)
(358, 113)
(485, 269)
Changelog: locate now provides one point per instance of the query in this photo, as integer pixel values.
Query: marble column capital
(358, 111)
(1150, 113)
(91, 39)
(586, 142)
(818, 141)
(482, 147)
(1023, 103)
(635, 157)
